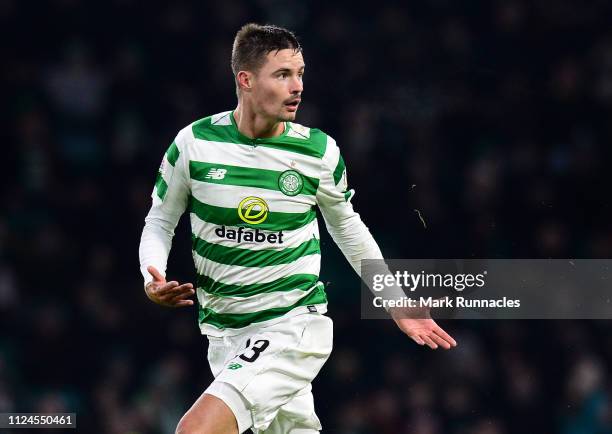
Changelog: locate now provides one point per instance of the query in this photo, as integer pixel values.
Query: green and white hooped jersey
(255, 237)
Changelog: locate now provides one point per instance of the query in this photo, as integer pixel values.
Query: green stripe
(348, 194)
(276, 221)
(204, 130)
(313, 147)
(253, 258)
(237, 320)
(172, 154)
(160, 186)
(339, 169)
(246, 177)
(303, 282)
(299, 146)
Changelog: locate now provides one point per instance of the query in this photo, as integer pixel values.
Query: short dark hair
(253, 42)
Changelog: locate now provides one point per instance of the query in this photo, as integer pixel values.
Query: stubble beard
(285, 116)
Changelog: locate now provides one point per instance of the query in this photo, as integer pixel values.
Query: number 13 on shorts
(251, 353)
(258, 347)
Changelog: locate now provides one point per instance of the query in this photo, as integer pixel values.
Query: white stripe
(230, 196)
(259, 157)
(237, 275)
(206, 231)
(221, 118)
(254, 303)
(332, 154)
(299, 131)
(167, 170)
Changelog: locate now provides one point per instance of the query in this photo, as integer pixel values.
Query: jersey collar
(250, 140)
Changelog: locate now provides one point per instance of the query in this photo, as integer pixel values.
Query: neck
(254, 125)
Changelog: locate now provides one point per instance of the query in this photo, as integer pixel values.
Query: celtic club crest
(290, 182)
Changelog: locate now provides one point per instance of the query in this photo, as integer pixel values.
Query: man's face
(277, 86)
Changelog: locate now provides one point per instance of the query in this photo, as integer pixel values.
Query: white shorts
(264, 375)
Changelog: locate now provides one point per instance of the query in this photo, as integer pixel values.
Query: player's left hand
(424, 331)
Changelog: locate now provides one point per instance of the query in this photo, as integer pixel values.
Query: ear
(245, 80)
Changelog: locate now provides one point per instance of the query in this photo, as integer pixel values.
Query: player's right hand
(170, 294)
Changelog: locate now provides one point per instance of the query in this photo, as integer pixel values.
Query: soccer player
(251, 179)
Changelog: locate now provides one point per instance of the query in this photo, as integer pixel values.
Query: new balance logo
(234, 366)
(216, 173)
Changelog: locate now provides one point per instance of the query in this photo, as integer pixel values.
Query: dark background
(492, 118)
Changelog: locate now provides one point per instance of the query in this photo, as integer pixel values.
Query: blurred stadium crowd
(492, 118)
